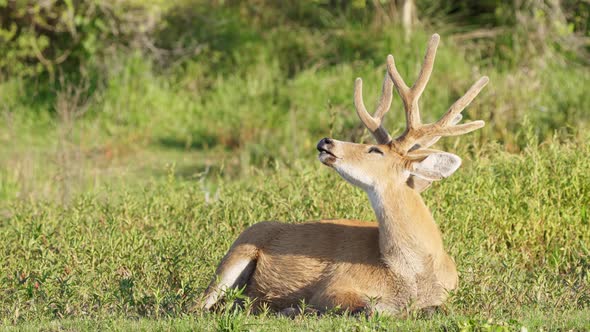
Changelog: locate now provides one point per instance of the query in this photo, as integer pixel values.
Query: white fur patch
(354, 176)
(376, 203)
(228, 278)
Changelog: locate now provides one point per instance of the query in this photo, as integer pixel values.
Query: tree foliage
(40, 37)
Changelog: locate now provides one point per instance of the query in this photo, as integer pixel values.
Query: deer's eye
(375, 150)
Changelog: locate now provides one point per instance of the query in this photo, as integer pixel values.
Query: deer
(397, 263)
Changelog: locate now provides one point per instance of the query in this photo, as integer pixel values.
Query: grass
(147, 252)
(118, 198)
(535, 321)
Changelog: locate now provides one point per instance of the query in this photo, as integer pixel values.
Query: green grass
(236, 322)
(518, 227)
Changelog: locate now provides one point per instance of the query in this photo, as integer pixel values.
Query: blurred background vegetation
(94, 88)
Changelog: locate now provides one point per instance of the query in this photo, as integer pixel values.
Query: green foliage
(40, 37)
(510, 33)
(62, 36)
(257, 116)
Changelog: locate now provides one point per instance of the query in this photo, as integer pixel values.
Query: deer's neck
(407, 232)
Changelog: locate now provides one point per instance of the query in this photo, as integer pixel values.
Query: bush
(41, 37)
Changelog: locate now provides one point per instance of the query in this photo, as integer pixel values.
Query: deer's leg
(239, 263)
(342, 299)
(293, 312)
(447, 273)
(234, 271)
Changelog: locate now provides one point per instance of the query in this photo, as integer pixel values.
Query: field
(124, 179)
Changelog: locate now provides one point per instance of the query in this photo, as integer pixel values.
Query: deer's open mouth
(326, 151)
(326, 157)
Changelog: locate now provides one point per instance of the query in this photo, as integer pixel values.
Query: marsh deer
(388, 266)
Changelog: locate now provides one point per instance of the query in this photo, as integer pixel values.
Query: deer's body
(351, 265)
(340, 262)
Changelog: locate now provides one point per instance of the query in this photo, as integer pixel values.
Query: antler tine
(401, 87)
(464, 101)
(447, 125)
(374, 123)
(427, 66)
(432, 140)
(386, 97)
(410, 96)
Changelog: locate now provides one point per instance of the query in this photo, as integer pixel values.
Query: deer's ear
(435, 166)
(417, 183)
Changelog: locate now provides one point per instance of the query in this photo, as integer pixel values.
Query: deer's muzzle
(326, 156)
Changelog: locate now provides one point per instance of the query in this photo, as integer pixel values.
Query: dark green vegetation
(128, 168)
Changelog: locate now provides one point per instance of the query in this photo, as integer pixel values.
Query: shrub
(41, 37)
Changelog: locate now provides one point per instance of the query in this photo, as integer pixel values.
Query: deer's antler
(375, 123)
(419, 135)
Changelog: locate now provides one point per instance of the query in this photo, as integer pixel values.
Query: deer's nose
(324, 141)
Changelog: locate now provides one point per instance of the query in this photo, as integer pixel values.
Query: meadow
(127, 171)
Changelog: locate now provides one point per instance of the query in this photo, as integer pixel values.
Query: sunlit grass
(518, 227)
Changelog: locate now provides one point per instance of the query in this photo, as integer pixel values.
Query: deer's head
(407, 159)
